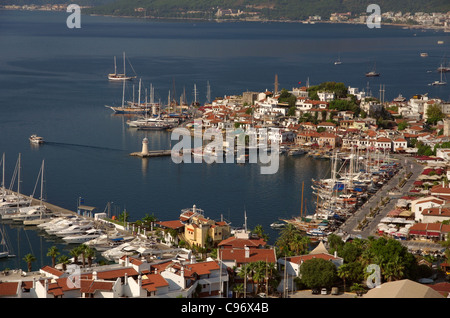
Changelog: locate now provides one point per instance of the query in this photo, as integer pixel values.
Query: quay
(145, 153)
(152, 153)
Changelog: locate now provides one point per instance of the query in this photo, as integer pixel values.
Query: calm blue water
(53, 83)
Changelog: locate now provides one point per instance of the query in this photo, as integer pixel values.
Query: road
(350, 226)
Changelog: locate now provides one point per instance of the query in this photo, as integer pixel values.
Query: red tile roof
(256, 254)
(153, 281)
(8, 288)
(233, 242)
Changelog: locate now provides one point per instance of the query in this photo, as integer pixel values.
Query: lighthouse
(144, 151)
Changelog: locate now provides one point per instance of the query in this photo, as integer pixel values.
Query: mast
(208, 92)
(301, 209)
(3, 173)
(139, 93)
(123, 95)
(124, 73)
(115, 66)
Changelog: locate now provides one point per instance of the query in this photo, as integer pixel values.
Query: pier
(152, 153)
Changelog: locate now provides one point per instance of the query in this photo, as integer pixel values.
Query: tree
(289, 240)
(245, 272)
(238, 289)
(434, 114)
(29, 258)
(53, 253)
(75, 253)
(64, 260)
(259, 230)
(344, 272)
(317, 273)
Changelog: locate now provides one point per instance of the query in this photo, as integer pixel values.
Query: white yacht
(74, 229)
(84, 237)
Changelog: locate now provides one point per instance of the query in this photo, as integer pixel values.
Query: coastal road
(350, 226)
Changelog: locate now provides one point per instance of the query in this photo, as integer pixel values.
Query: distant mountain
(265, 9)
(42, 2)
(268, 9)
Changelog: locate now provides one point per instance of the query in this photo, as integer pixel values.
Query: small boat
(296, 152)
(441, 81)
(277, 225)
(338, 61)
(423, 54)
(35, 139)
(373, 73)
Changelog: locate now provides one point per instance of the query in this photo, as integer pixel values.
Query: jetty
(145, 153)
(152, 153)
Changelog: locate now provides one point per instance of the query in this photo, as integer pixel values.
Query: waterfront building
(198, 229)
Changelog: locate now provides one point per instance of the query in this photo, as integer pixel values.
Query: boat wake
(78, 145)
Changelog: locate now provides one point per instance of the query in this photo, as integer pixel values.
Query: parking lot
(309, 294)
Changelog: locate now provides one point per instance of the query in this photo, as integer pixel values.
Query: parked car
(324, 291)
(315, 291)
(335, 291)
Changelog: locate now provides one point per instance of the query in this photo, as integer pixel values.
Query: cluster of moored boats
(354, 178)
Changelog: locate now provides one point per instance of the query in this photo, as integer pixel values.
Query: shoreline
(187, 19)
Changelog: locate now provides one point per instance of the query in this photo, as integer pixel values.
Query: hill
(265, 9)
(237, 9)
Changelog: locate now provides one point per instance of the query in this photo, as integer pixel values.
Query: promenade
(350, 227)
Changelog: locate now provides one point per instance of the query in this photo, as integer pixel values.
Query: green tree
(344, 272)
(434, 114)
(317, 272)
(29, 258)
(289, 242)
(259, 231)
(64, 260)
(53, 252)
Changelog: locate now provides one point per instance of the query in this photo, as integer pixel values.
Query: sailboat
(440, 82)
(119, 77)
(129, 108)
(338, 61)
(373, 73)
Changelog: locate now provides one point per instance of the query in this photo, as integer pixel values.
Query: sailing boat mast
(301, 208)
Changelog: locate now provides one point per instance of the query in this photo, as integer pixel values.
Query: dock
(152, 153)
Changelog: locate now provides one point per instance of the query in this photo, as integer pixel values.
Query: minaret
(144, 147)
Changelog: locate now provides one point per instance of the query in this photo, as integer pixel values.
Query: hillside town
(197, 257)
(432, 20)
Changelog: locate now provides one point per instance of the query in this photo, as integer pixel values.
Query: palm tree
(238, 289)
(344, 272)
(259, 273)
(53, 252)
(244, 272)
(89, 253)
(29, 258)
(83, 248)
(75, 253)
(64, 260)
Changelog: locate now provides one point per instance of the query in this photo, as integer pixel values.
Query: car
(323, 291)
(262, 295)
(315, 291)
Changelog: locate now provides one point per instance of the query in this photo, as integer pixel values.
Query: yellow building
(199, 230)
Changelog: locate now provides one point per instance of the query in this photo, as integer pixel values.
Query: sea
(53, 83)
